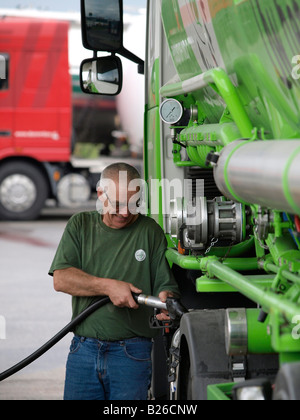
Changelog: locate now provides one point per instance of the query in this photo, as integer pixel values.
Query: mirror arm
(132, 57)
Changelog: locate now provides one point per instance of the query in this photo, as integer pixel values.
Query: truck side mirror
(102, 25)
(102, 75)
(102, 28)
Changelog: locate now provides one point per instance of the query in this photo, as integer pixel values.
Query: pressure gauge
(171, 111)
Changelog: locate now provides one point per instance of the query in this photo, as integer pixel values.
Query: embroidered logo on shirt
(140, 255)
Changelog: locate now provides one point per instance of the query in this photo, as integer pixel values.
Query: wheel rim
(17, 193)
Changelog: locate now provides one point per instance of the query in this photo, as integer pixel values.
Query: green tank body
(233, 65)
(256, 42)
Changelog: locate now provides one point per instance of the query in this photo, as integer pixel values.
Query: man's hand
(164, 316)
(120, 293)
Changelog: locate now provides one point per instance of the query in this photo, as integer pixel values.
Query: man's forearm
(76, 282)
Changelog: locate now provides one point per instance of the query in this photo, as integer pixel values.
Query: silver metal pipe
(236, 332)
(266, 173)
(152, 301)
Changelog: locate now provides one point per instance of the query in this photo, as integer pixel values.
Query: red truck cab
(43, 118)
(35, 112)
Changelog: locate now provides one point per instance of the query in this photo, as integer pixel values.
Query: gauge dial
(171, 111)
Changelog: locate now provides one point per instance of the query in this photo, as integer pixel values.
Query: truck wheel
(23, 191)
(204, 360)
(203, 354)
(287, 386)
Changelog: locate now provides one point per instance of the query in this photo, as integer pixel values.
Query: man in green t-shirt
(112, 253)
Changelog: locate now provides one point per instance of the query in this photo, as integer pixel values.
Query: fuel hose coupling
(174, 307)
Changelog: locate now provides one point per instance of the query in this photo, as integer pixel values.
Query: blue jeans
(108, 370)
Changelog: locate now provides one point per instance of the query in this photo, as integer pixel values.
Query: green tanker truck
(222, 166)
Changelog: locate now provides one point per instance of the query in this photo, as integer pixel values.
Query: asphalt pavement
(31, 312)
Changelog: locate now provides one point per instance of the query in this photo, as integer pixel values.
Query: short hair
(112, 172)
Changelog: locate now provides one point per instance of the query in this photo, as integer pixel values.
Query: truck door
(6, 100)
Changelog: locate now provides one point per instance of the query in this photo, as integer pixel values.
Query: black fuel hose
(61, 334)
(173, 306)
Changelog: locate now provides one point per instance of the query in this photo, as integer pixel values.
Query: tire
(204, 360)
(23, 191)
(203, 354)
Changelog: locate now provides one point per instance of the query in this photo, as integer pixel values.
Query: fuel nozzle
(174, 307)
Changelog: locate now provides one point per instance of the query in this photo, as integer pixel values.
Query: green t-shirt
(134, 254)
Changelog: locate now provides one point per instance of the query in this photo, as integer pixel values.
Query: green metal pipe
(291, 276)
(228, 92)
(185, 163)
(194, 263)
(285, 273)
(177, 157)
(265, 298)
